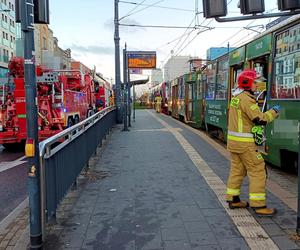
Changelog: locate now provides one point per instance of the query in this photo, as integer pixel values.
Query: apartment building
(176, 66)
(7, 34)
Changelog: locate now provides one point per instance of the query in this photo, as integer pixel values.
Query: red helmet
(246, 78)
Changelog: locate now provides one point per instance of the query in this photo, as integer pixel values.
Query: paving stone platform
(143, 192)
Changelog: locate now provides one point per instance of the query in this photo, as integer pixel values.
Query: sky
(87, 28)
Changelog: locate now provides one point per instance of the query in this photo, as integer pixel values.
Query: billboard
(141, 59)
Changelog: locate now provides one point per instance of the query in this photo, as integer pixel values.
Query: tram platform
(161, 186)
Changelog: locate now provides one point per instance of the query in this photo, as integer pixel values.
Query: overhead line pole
(117, 64)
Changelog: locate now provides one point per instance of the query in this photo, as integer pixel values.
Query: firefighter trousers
(252, 164)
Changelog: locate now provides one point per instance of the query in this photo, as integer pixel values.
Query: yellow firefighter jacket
(244, 113)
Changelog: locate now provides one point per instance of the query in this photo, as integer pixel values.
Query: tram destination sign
(141, 59)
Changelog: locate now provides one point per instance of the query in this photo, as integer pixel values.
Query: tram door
(260, 65)
(189, 101)
(235, 70)
(175, 101)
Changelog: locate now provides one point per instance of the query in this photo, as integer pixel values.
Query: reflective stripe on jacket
(243, 114)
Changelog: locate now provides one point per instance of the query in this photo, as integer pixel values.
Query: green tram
(194, 90)
(216, 97)
(203, 97)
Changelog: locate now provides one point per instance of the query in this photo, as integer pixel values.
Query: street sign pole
(32, 143)
(298, 209)
(128, 95)
(125, 83)
(133, 101)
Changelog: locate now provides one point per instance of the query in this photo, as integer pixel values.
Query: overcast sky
(86, 27)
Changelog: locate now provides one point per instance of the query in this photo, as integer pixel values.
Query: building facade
(8, 34)
(215, 52)
(176, 66)
(47, 51)
(76, 65)
(156, 77)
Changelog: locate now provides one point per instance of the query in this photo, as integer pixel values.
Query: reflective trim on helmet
(233, 191)
(247, 135)
(240, 121)
(240, 139)
(257, 196)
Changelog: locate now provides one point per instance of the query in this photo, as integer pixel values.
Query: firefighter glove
(258, 134)
(276, 108)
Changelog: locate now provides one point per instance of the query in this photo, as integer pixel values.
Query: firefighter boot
(237, 203)
(264, 211)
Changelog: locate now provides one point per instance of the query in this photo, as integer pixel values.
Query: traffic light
(214, 8)
(18, 15)
(288, 4)
(252, 6)
(41, 11)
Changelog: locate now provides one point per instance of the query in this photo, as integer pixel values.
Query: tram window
(287, 77)
(181, 88)
(199, 86)
(222, 80)
(211, 82)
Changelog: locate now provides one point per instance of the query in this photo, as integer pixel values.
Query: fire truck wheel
(70, 122)
(90, 112)
(76, 120)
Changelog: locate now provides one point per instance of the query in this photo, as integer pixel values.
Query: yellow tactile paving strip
(250, 229)
(285, 196)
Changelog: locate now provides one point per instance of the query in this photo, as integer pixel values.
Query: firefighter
(158, 103)
(244, 114)
(111, 100)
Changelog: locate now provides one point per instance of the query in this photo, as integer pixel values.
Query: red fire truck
(65, 97)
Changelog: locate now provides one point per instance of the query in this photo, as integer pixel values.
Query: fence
(64, 155)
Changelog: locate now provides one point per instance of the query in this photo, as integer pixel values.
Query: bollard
(298, 209)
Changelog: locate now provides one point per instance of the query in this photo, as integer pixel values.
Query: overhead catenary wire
(197, 21)
(158, 6)
(161, 26)
(198, 33)
(201, 31)
(174, 40)
(132, 13)
(172, 50)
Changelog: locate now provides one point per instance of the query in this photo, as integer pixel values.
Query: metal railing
(64, 155)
